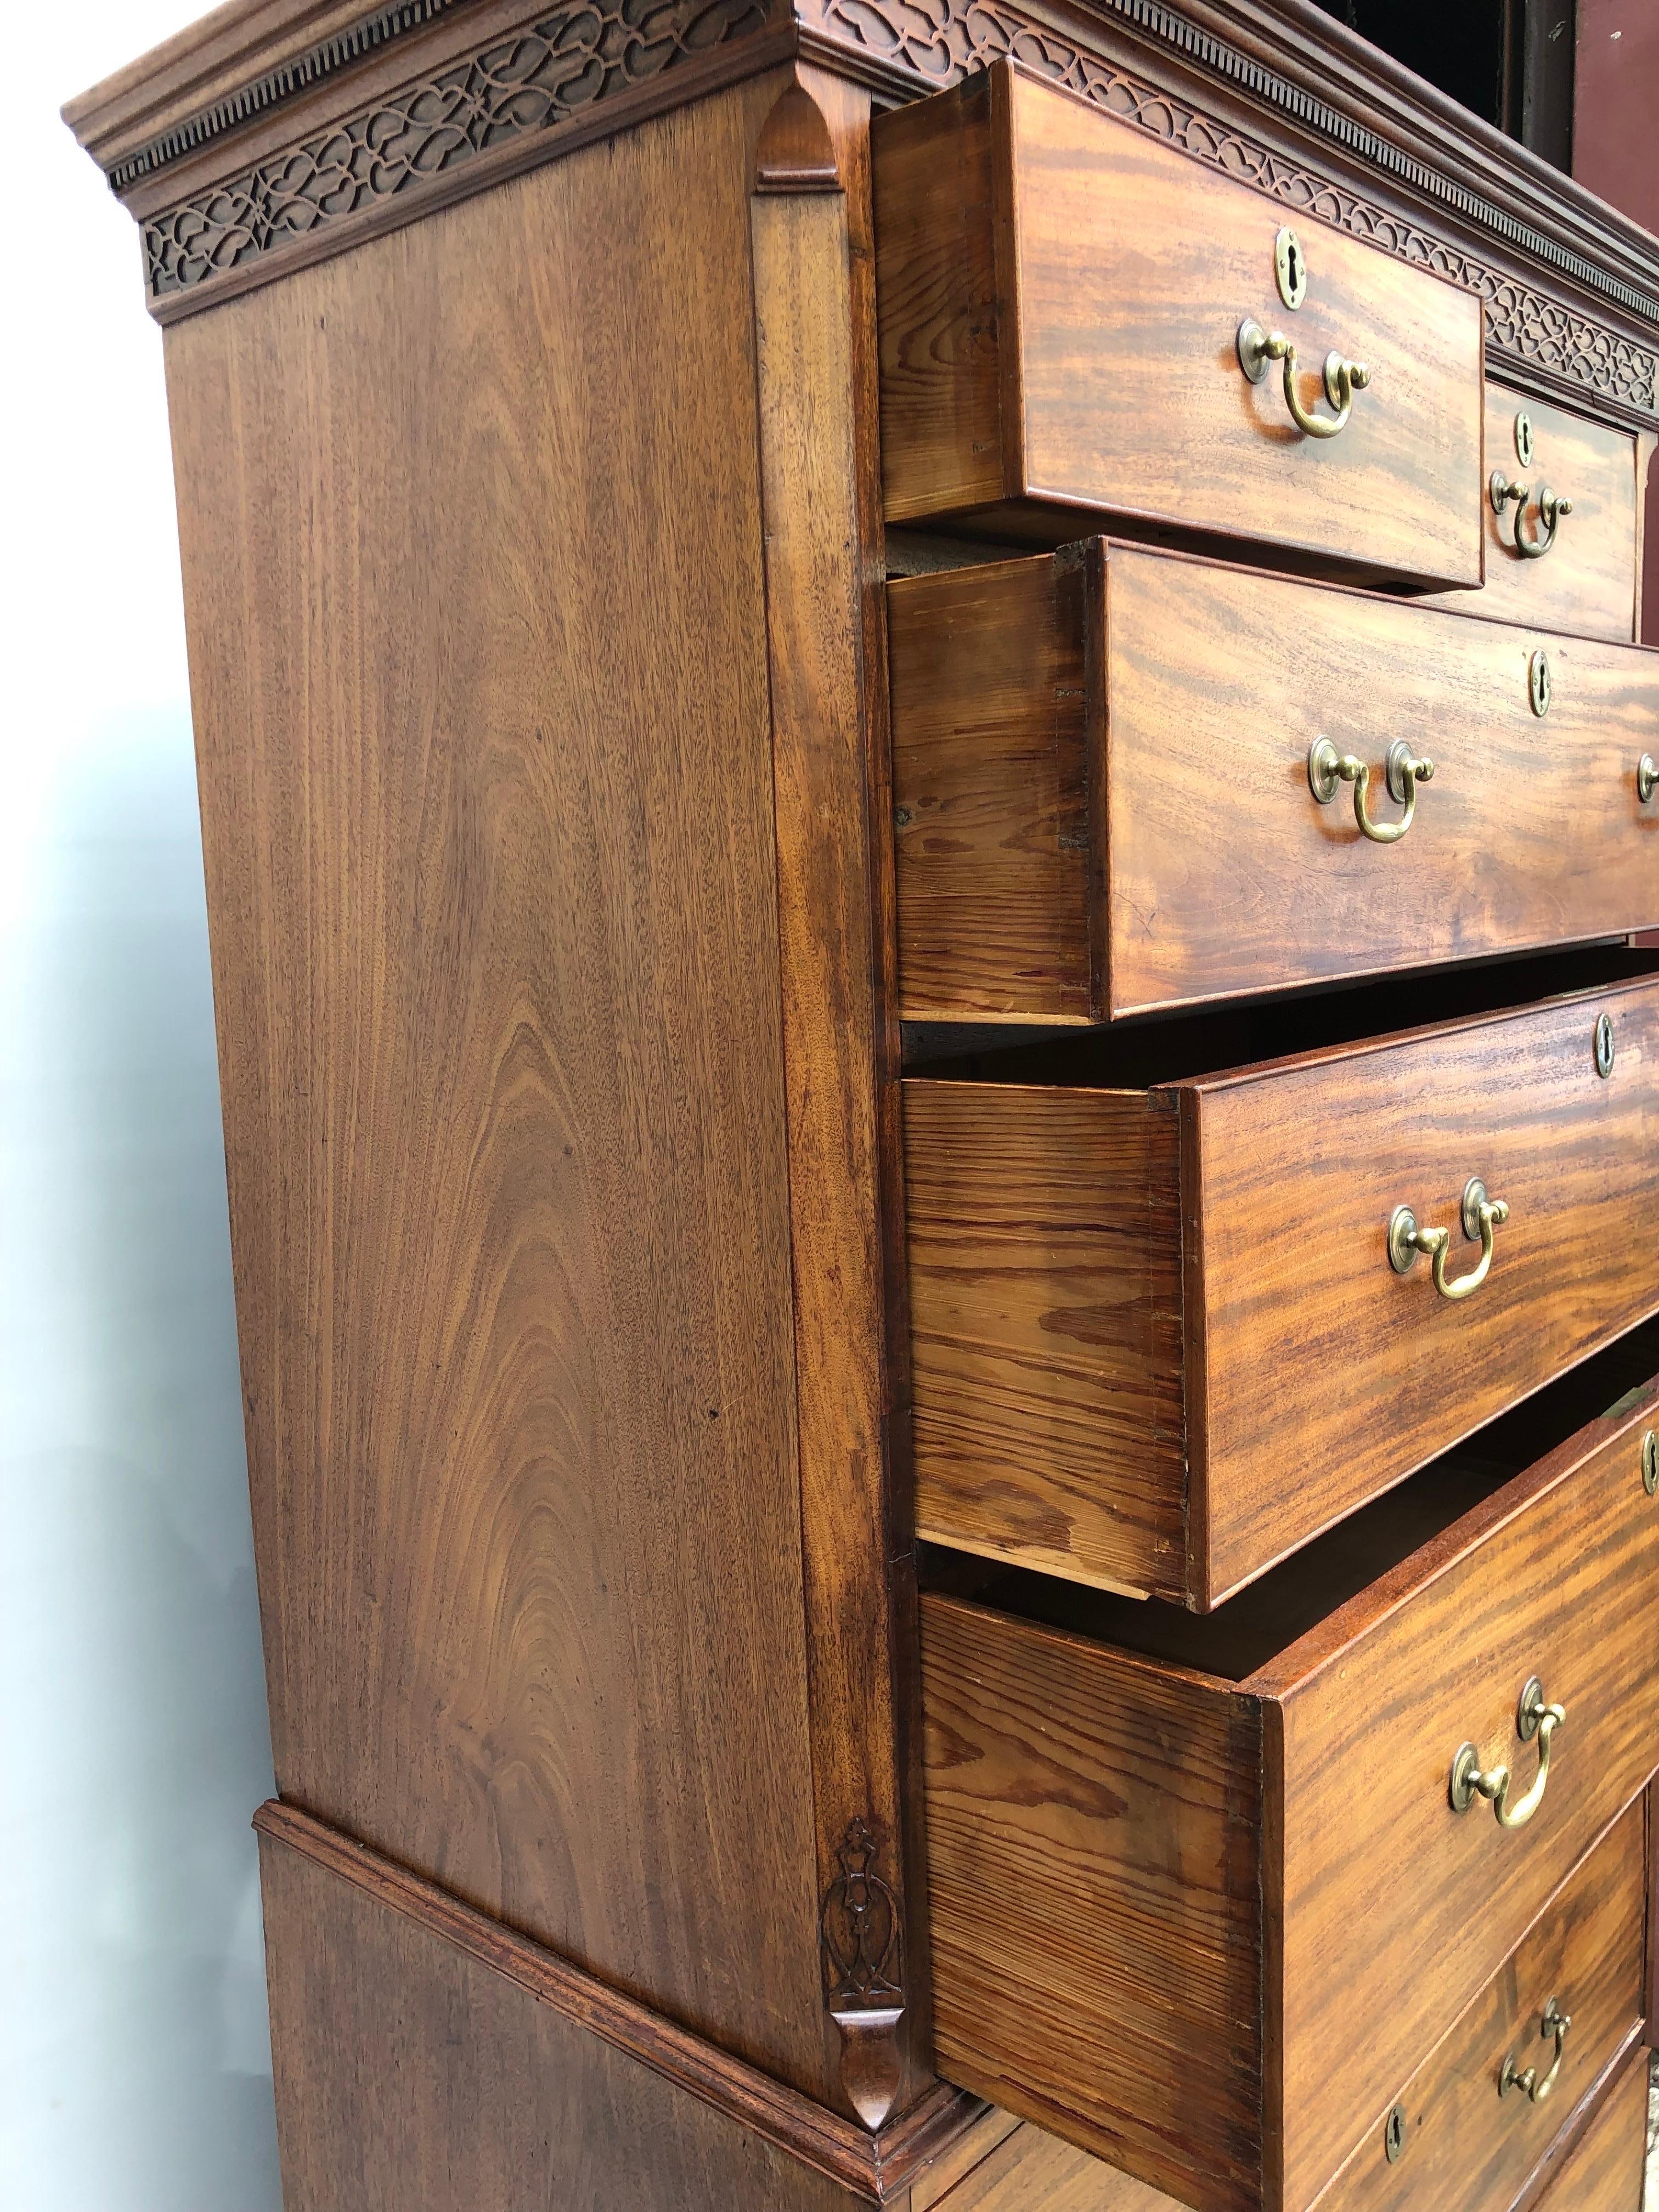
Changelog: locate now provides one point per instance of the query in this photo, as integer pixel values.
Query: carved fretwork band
(567, 63)
(529, 81)
(941, 41)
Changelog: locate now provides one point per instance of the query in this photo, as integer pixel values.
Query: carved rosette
(863, 1966)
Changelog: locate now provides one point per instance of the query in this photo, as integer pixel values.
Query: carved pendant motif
(863, 1965)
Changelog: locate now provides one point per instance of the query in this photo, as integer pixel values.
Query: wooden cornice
(877, 2167)
(277, 130)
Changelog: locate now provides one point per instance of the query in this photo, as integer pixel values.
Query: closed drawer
(1199, 1897)
(1103, 802)
(1604, 2172)
(1128, 1293)
(1462, 2141)
(1581, 575)
(1059, 297)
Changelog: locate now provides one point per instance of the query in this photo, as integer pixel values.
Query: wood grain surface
(413, 2077)
(1606, 2171)
(471, 527)
(1115, 1840)
(1060, 298)
(877, 2166)
(1298, 1174)
(992, 776)
(1045, 1303)
(1557, 1576)
(1468, 2149)
(1220, 874)
(1102, 1308)
(1093, 1833)
(1588, 580)
(1031, 2172)
(832, 808)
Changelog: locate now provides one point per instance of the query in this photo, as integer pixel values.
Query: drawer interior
(1136, 1054)
(1243, 1635)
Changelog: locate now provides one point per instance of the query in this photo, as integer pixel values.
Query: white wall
(134, 1745)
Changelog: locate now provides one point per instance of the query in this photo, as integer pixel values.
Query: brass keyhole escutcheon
(1393, 2134)
(1523, 445)
(1540, 684)
(1650, 1462)
(1604, 1045)
(1290, 268)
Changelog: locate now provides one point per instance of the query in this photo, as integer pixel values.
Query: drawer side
(936, 283)
(1045, 1301)
(991, 788)
(1095, 1898)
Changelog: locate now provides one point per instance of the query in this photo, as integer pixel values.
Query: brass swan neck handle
(1503, 491)
(1534, 2086)
(1257, 350)
(1482, 1216)
(1403, 770)
(1534, 1718)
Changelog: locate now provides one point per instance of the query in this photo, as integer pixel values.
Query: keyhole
(1393, 2134)
(1540, 683)
(1290, 267)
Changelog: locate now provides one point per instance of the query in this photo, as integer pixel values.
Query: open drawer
(1207, 1891)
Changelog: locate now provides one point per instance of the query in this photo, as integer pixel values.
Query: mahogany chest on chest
(931, 800)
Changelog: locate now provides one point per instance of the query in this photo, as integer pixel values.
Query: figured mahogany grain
(414, 2075)
(1060, 294)
(1606, 2170)
(1468, 2149)
(1162, 1899)
(471, 541)
(1298, 1172)
(1109, 1287)
(1587, 582)
(1202, 867)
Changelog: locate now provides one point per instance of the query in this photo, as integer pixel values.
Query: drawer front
(1294, 1301)
(1580, 576)
(1362, 1746)
(1060, 298)
(1211, 1929)
(1104, 806)
(1604, 2172)
(1462, 2143)
(1225, 874)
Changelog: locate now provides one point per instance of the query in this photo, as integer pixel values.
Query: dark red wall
(1615, 151)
